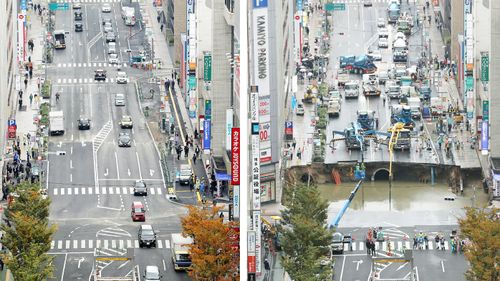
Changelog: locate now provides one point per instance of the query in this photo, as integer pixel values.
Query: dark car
(110, 37)
(124, 140)
(78, 27)
(140, 188)
(100, 74)
(83, 123)
(78, 15)
(425, 92)
(146, 236)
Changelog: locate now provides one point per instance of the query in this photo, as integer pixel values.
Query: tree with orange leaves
(212, 254)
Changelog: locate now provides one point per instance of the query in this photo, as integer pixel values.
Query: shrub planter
(46, 89)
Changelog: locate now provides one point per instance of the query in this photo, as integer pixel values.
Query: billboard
(260, 28)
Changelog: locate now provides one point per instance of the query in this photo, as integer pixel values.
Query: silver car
(108, 27)
(119, 99)
(124, 140)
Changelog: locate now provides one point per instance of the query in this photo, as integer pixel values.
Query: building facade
(8, 63)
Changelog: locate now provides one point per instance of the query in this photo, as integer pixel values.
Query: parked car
(124, 140)
(83, 123)
(110, 37)
(77, 5)
(338, 243)
(106, 20)
(146, 236)
(185, 174)
(383, 32)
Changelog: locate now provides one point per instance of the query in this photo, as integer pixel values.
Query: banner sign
(486, 110)
(208, 109)
(235, 156)
(251, 252)
(485, 136)
(207, 67)
(236, 201)
(229, 127)
(206, 134)
(485, 67)
(20, 37)
(258, 240)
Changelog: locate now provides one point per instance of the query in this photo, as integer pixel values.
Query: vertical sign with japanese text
(207, 134)
(207, 67)
(256, 219)
(235, 156)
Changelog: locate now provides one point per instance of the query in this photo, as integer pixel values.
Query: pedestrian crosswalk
(392, 245)
(364, 1)
(106, 190)
(90, 64)
(83, 80)
(89, 244)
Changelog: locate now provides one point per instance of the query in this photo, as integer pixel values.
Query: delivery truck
(59, 39)
(180, 251)
(56, 123)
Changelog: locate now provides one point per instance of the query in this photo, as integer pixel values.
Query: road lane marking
(62, 191)
(75, 244)
(82, 244)
(83, 191)
(117, 190)
(111, 191)
(69, 191)
(342, 270)
(129, 243)
(152, 191)
(138, 164)
(96, 190)
(52, 245)
(98, 243)
(68, 244)
(59, 244)
(159, 244)
(158, 190)
(136, 244)
(113, 243)
(104, 190)
(167, 244)
(91, 244)
(117, 167)
(76, 190)
(56, 191)
(121, 244)
(105, 244)
(124, 190)
(131, 189)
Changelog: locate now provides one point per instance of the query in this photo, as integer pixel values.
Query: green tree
(212, 254)
(482, 228)
(29, 236)
(305, 238)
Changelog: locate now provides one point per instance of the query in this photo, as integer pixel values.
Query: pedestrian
(161, 27)
(191, 185)
(186, 151)
(267, 266)
(31, 99)
(158, 18)
(367, 244)
(415, 242)
(31, 73)
(441, 242)
(167, 84)
(20, 104)
(25, 82)
(38, 83)
(20, 93)
(194, 158)
(372, 248)
(195, 134)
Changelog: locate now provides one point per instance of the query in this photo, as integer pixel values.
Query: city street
(430, 264)
(91, 178)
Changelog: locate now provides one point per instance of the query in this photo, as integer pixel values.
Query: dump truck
(400, 50)
(404, 140)
(180, 251)
(393, 12)
(370, 90)
(56, 123)
(366, 120)
(342, 77)
(402, 114)
(59, 39)
(333, 108)
(128, 15)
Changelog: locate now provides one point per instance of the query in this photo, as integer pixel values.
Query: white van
(111, 48)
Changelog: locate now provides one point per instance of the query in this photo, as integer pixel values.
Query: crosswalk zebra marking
(113, 243)
(158, 190)
(76, 190)
(96, 190)
(159, 244)
(68, 244)
(62, 191)
(131, 190)
(111, 191)
(106, 244)
(59, 244)
(152, 191)
(82, 243)
(136, 244)
(104, 191)
(56, 191)
(129, 243)
(52, 244)
(69, 191)
(117, 190)
(91, 244)
(124, 190)
(75, 244)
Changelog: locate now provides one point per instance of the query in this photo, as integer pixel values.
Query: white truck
(180, 251)
(351, 89)
(414, 103)
(334, 108)
(59, 39)
(128, 15)
(56, 123)
(400, 50)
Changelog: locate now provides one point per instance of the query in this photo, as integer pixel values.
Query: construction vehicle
(370, 90)
(402, 114)
(362, 65)
(352, 140)
(403, 25)
(392, 89)
(351, 89)
(342, 77)
(400, 50)
(414, 104)
(60, 40)
(346, 61)
(366, 120)
(128, 15)
(310, 95)
(393, 12)
(400, 139)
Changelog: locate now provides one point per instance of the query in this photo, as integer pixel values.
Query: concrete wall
(457, 27)
(221, 87)
(495, 80)
(483, 44)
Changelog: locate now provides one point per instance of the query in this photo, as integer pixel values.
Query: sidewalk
(163, 52)
(463, 155)
(303, 131)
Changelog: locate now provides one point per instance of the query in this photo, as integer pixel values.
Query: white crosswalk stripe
(152, 191)
(110, 190)
(52, 245)
(59, 244)
(105, 246)
(158, 190)
(131, 190)
(124, 190)
(68, 244)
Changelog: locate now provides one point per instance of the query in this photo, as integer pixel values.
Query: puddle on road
(406, 196)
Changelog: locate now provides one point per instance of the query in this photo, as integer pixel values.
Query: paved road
(430, 264)
(91, 182)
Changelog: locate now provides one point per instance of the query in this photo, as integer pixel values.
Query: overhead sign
(335, 6)
(58, 6)
(235, 156)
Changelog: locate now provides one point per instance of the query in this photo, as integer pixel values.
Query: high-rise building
(8, 63)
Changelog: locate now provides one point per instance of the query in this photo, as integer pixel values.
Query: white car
(113, 59)
(375, 55)
(121, 77)
(108, 27)
(380, 22)
(106, 8)
(383, 43)
(383, 33)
